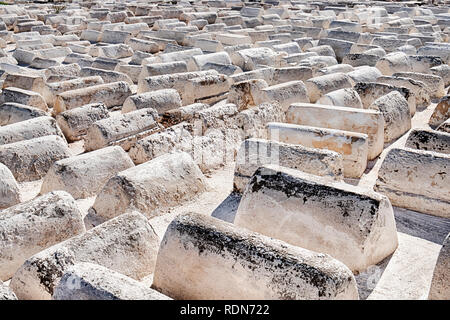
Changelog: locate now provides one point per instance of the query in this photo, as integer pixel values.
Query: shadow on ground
(226, 211)
(367, 280)
(421, 225)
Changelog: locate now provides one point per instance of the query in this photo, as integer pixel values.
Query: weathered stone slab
(108, 76)
(445, 126)
(175, 138)
(442, 71)
(84, 175)
(253, 121)
(30, 160)
(318, 86)
(284, 93)
(127, 244)
(429, 140)
(434, 83)
(220, 116)
(324, 50)
(353, 146)
(152, 187)
(88, 281)
(17, 95)
(266, 74)
(51, 90)
(9, 190)
(340, 47)
(175, 81)
(35, 225)
(428, 187)
(248, 59)
(393, 63)
(389, 44)
(207, 45)
(27, 82)
(29, 129)
(420, 90)
(423, 64)
(397, 117)
(115, 36)
(229, 39)
(254, 153)
(436, 49)
(364, 74)
(74, 123)
(101, 64)
(343, 97)
(239, 264)
(110, 94)
(440, 289)
(369, 92)
(42, 63)
(131, 71)
(206, 89)
(369, 122)
(286, 74)
(244, 94)
(441, 113)
(184, 55)
(11, 112)
(184, 113)
(361, 59)
(197, 63)
(225, 69)
(62, 72)
(81, 60)
(143, 45)
(344, 68)
(157, 69)
(160, 100)
(123, 129)
(354, 225)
